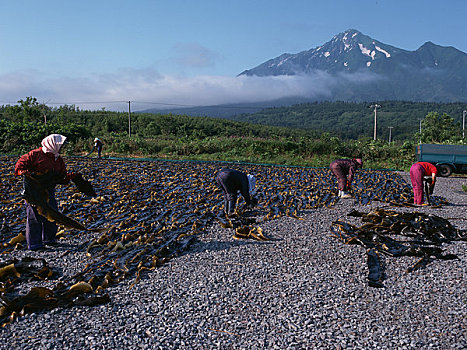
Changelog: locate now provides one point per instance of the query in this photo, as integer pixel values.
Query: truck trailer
(447, 158)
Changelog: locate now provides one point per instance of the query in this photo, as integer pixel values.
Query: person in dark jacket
(98, 145)
(344, 170)
(39, 230)
(418, 171)
(233, 181)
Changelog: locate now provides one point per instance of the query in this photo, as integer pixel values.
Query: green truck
(447, 158)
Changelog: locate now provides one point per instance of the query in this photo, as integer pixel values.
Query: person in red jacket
(39, 230)
(417, 173)
(344, 170)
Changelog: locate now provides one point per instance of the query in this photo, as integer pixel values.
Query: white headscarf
(52, 144)
(251, 183)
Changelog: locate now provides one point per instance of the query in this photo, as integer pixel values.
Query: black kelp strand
(375, 272)
(396, 234)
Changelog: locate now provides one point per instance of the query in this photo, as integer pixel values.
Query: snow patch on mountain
(383, 51)
(367, 52)
(280, 63)
(364, 50)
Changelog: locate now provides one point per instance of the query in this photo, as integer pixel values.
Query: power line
(201, 106)
(82, 103)
(145, 102)
(166, 104)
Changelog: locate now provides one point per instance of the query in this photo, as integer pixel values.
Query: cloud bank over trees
(147, 85)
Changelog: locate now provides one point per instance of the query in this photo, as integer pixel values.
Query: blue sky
(189, 52)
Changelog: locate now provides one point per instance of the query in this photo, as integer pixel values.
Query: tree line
(349, 120)
(22, 127)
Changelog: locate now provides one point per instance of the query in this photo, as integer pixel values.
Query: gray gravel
(306, 290)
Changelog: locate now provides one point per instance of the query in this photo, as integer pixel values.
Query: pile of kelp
(14, 272)
(147, 212)
(395, 234)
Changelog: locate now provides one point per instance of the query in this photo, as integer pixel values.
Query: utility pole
(375, 106)
(463, 124)
(390, 129)
(129, 119)
(420, 131)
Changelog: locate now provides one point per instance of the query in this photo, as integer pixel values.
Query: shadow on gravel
(456, 205)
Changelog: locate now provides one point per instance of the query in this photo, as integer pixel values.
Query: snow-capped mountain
(431, 73)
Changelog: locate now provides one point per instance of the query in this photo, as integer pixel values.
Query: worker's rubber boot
(345, 195)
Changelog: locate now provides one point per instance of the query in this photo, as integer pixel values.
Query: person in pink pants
(344, 170)
(417, 172)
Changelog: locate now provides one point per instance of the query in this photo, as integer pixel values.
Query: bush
(183, 137)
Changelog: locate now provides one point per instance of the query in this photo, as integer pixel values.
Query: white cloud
(111, 91)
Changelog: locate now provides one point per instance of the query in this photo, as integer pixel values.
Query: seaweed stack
(13, 272)
(397, 234)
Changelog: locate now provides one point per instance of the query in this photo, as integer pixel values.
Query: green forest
(349, 120)
(294, 142)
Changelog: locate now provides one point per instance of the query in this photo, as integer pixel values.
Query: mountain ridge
(340, 48)
(431, 73)
(358, 68)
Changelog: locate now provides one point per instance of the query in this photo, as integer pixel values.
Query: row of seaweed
(145, 213)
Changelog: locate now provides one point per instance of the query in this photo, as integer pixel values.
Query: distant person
(40, 161)
(233, 181)
(418, 171)
(344, 170)
(98, 145)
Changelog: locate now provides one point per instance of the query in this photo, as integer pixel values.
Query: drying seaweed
(375, 270)
(152, 211)
(84, 185)
(397, 234)
(13, 272)
(36, 194)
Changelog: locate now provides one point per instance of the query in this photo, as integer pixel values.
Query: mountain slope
(365, 69)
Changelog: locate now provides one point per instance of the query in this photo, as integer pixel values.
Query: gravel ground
(305, 290)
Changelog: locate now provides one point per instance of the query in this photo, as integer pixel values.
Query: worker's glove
(24, 172)
(71, 176)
